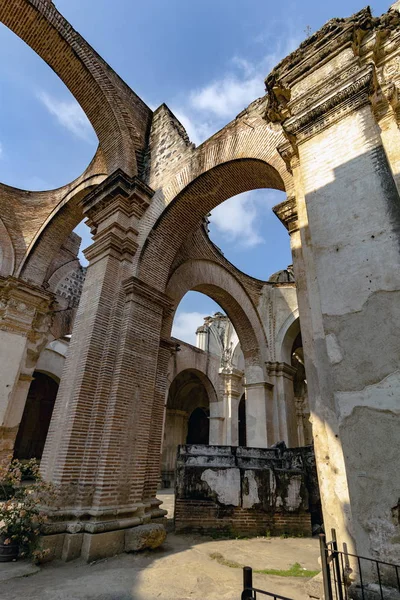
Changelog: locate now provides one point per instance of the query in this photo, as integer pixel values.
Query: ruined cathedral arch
(145, 196)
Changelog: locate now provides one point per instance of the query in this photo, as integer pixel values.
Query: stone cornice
(319, 48)
(324, 79)
(287, 214)
(136, 287)
(354, 92)
(281, 369)
(171, 345)
(116, 240)
(21, 304)
(132, 193)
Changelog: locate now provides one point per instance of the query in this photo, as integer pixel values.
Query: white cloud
(1, 150)
(210, 107)
(242, 84)
(185, 325)
(236, 220)
(226, 97)
(69, 114)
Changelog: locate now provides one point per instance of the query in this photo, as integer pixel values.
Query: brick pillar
(87, 437)
(347, 266)
(25, 319)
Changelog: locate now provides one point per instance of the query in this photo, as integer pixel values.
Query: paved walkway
(186, 567)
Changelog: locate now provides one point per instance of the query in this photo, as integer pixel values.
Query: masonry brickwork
(146, 193)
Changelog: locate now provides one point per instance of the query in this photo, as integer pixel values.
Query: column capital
(260, 384)
(131, 195)
(169, 344)
(281, 369)
(113, 210)
(287, 214)
(134, 287)
(23, 306)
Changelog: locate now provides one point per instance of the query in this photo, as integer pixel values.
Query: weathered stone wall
(243, 490)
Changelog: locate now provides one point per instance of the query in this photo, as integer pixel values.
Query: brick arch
(7, 254)
(186, 211)
(286, 336)
(219, 284)
(119, 117)
(55, 230)
(201, 376)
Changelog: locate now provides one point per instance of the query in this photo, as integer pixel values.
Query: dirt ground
(185, 567)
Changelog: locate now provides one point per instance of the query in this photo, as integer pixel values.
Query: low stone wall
(244, 491)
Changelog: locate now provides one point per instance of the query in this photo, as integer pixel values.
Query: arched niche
(190, 391)
(218, 283)
(36, 417)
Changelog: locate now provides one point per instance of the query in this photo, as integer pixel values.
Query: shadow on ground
(186, 567)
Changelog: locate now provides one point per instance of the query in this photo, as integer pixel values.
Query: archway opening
(246, 231)
(46, 138)
(300, 390)
(199, 427)
(242, 421)
(36, 418)
(186, 418)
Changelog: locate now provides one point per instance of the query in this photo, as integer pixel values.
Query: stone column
(347, 266)
(259, 414)
(231, 390)
(217, 423)
(285, 425)
(176, 423)
(100, 401)
(25, 319)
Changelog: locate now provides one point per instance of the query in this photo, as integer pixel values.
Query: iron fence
(348, 576)
(251, 593)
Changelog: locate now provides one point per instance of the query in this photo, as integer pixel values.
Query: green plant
(295, 570)
(22, 496)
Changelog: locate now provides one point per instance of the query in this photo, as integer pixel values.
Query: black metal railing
(251, 593)
(349, 576)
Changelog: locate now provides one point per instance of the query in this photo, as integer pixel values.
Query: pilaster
(330, 98)
(25, 320)
(231, 391)
(103, 408)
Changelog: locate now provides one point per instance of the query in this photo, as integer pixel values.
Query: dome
(284, 276)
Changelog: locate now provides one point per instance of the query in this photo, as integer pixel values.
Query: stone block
(314, 587)
(72, 546)
(144, 537)
(102, 545)
(52, 546)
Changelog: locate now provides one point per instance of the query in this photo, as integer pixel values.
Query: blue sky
(206, 60)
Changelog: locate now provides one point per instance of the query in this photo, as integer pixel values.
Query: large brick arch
(39, 222)
(219, 284)
(54, 231)
(186, 211)
(119, 117)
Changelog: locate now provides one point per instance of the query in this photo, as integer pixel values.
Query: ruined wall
(245, 491)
